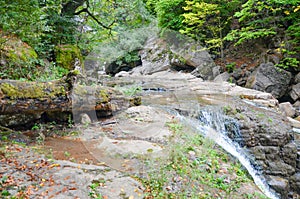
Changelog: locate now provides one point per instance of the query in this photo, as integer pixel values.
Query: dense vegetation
(87, 24)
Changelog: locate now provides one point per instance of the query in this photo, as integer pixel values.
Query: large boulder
(271, 79)
(14, 56)
(176, 52)
(268, 137)
(68, 56)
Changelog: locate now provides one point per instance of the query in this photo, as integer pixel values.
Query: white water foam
(227, 144)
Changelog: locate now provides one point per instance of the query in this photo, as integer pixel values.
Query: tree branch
(86, 10)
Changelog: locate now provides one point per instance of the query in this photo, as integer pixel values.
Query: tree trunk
(70, 8)
(22, 101)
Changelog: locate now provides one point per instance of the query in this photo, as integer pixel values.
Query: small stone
(192, 155)
(85, 119)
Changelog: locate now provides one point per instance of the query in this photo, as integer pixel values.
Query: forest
(164, 133)
(48, 26)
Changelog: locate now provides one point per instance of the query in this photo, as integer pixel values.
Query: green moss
(136, 101)
(32, 90)
(9, 90)
(66, 56)
(80, 90)
(103, 95)
(19, 53)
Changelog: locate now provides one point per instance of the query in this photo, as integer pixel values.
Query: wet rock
(280, 168)
(290, 154)
(19, 120)
(287, 109)
(259, 153)
(280, 185)
(295, 182)
(270, 79)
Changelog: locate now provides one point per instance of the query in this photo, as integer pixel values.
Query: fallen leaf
(54, 165)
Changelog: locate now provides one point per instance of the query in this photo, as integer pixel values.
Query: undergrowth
(195, 167)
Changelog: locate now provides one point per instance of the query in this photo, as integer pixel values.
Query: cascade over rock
(265, 133)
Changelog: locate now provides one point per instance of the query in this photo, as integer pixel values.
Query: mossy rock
(31, 90)
(67, 56)
(15, 52)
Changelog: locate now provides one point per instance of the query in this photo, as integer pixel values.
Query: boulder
(295, 182)
(295, 92)
(287, 109)
(270, 79)
(279, 184)
(294, 123)
(297, 78)
(17, 58)
(223, 77)
(68, 56)
(176, 52)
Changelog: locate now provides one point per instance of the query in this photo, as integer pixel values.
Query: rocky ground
(102, 162)
(106, 159)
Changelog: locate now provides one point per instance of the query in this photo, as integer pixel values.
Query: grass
(93, 189)
(194, 168)
(130, 91)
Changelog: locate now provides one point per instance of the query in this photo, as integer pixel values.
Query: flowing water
(214, 125)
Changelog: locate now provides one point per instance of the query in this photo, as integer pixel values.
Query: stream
(193, 101)
(212, 124)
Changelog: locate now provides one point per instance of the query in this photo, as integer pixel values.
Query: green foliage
(288, 63)
(230, 67)
(208, 22)
(123, 46)
(130, 91)
(192, 169)
(118, 16)
(22, 18)
(35, 70)
(267, 19)
(169, 13)
(151, 6)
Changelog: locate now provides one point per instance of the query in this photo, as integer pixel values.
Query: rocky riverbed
(107, 157)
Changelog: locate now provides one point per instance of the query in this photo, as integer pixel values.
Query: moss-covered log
(37, 98)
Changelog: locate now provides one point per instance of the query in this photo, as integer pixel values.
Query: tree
(267, 19)
(169, 13)
(22, 18)
(208, 22)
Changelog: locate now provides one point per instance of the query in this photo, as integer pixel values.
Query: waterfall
(213, 124)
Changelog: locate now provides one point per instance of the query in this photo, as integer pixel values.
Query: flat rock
(128, 147)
